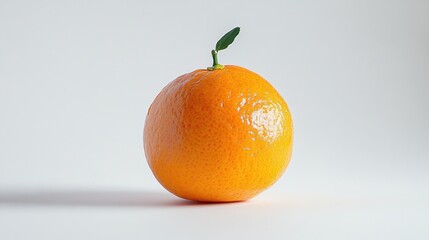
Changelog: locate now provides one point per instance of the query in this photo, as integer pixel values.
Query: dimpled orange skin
(218, 136)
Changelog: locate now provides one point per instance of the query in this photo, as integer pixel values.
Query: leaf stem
(214, 55)
(223, 43)
(216, 65)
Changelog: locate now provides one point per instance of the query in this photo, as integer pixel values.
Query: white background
(77, 78)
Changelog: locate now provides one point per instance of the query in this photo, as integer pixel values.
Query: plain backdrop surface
(77, 78)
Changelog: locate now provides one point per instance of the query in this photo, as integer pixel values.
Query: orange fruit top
(218, 136)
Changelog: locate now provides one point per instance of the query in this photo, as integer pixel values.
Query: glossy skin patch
(218, 136)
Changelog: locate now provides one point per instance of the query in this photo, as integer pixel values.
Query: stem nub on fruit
(223, 43)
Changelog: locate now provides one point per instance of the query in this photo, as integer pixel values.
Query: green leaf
(227, 39)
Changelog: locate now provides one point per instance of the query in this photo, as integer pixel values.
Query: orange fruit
(218, 135)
